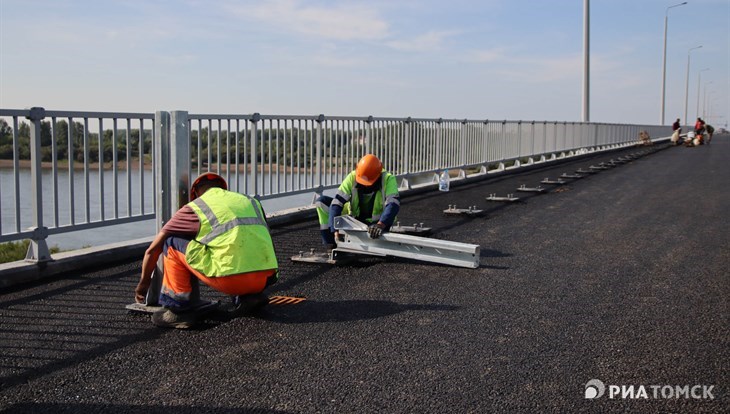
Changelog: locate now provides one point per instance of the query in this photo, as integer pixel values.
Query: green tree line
(61, 137)
(277, 146)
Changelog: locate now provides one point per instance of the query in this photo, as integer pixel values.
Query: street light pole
(704, 101)
(699, 76)
(686, 85)
(586, 60)
(664, 60)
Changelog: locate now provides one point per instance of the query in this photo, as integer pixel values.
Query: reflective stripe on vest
(216, 229)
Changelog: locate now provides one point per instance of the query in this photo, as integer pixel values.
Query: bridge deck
(621, 276)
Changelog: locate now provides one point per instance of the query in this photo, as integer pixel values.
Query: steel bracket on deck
(553, 182)
(470, 211)
(583, 171)
(527, 189)
(203, 306)
(417, 229)
(599, 167)
(356, 240)
(571, 176)
(509, 199)
(313, 257)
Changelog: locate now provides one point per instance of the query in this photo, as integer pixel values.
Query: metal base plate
(582, 171)
(571, 176)
(526, 189)
(415, 230)
(141, 307)
(321, 258)
(554, 182)
(312, 257)
(599, 167)
(471, 211)
(509, 199)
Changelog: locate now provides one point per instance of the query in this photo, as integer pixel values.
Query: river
(104, 235)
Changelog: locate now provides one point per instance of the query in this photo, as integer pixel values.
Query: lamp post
(686, 85)
(664, 60)
(704, 100)
(699, 76)
(586, 60)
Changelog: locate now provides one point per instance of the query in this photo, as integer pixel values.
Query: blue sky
(488, 59)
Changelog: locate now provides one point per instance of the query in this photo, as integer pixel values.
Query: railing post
(368, 135)
(38, 248)
(439, 145)
(485, 143)
(408, 127)
(462, 154)
(255, 118)
(519, 142)
(319, 153)
(532, 134)
(162, 169)
(179, 159)
(163, 203)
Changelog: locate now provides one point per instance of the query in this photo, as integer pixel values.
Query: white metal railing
(268, 156)
(72, 163)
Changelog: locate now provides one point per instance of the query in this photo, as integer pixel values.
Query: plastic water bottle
(444, 181)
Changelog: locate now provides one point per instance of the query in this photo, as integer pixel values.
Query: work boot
(247, 304)
(166, 318)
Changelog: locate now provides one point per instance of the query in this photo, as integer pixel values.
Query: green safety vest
(233, 237)
(388, 189)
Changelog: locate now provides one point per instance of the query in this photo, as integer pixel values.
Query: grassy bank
(13, 251)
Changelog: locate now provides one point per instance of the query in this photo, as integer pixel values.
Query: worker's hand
(140, 292)
(337, 236)
(375, 230)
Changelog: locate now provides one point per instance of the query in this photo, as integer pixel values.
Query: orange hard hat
(368, 170)
(205, 177)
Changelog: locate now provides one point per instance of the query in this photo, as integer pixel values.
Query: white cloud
(430, 41)
(343, 21)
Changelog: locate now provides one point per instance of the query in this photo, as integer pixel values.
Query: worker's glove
(375, 230)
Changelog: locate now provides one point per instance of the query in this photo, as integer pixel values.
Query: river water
(104, 235)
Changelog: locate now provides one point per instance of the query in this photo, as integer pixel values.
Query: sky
(456, 59)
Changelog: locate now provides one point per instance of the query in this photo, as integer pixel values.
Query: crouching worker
(220, 238)
(369, 194)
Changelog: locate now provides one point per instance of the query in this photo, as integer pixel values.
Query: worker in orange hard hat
(220, 238)
(369, 194)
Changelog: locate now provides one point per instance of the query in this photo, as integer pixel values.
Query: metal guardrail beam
(356, 240)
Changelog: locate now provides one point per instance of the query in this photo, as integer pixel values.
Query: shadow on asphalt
(342, 311)
(81, 319)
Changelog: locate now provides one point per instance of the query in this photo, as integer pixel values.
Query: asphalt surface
(621, 276)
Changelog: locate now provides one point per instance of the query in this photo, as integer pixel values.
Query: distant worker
(676, 126)
(710, 131)
(676, 131)
(369, 194)
(699, 130)
(220, 238)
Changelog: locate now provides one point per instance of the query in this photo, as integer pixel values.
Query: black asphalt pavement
(621, 276)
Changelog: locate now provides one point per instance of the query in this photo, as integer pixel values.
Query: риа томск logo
(596, 389)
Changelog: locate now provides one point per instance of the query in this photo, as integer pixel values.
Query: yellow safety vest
(233, 237)
(388, 190)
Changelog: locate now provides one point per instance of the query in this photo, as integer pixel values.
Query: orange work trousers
(179, 278)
